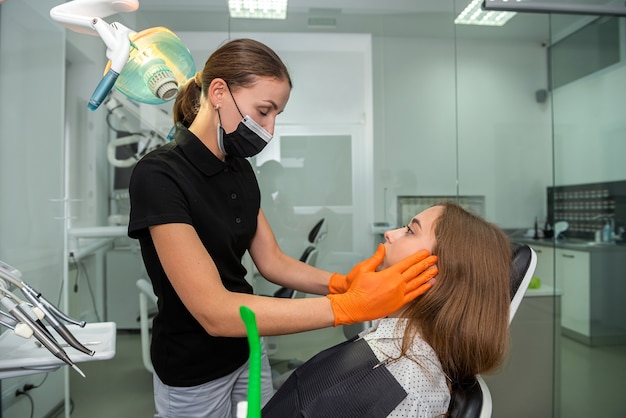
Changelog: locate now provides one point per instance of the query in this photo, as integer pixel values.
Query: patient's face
(418, 235)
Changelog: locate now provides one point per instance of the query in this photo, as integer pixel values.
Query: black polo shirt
(183, 182)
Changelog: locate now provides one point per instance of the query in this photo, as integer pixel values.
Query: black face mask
(246, 141)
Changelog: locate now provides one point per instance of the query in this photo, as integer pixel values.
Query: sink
(583, 243)
(579, 243)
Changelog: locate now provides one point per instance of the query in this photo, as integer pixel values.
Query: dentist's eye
(408, 229)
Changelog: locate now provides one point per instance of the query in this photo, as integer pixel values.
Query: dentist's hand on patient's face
(371, 295)
(340, 284)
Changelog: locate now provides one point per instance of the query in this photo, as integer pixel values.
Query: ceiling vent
(323, 18)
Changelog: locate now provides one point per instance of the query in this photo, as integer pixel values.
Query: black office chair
(472, 399)
(309, 255)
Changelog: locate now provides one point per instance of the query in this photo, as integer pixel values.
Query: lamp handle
(102, 89)
(116, 38)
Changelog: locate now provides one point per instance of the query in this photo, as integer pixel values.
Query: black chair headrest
(315, 231)
(467, 400)
(307, 251)
(521, 261)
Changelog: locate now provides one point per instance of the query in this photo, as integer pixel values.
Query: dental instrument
(39, 332)
(44, 309)
(25, 315)
(18, 328)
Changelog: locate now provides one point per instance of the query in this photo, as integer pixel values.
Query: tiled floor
(120, 387)
(592, 380)
(592, 383)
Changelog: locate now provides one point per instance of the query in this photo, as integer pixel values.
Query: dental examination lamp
(25, 319)
(148, 66)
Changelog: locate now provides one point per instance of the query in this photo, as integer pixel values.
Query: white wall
(87, 131)
(590, 128)
(414, 120)
(468, 112)
(505, 150)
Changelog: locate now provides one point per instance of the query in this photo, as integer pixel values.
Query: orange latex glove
(373, 295)
(340, 284)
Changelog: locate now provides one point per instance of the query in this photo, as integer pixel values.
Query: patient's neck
(400, 313)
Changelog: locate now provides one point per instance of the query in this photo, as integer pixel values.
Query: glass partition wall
(394, 105)
(587, 80)
(32, 156)
(504, 152)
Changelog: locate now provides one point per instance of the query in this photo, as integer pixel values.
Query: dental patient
(406, 364)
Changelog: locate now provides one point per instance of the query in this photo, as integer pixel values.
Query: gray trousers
(215, 399)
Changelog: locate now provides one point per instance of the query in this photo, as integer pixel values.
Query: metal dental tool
(31, 316)
(39, 333)
(19, 329)
(39, 345)
(25, 308)
(26, 289)
(56, 324)
(7, 321)
(13, 276)
(49, 312)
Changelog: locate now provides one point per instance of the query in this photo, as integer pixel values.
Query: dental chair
(146, 296)
(308, 391)
(472, 399)
(309, 256)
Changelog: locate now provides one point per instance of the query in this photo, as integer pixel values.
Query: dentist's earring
(217, 106)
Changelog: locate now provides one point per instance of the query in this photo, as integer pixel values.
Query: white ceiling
(346, 6)
(402, 18)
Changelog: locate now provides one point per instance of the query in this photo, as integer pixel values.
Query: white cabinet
(545, 264)
(572, 277)
(592, 283)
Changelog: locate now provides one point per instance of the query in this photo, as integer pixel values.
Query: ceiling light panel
(473, 14)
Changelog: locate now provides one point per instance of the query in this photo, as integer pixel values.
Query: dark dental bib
(345, 381)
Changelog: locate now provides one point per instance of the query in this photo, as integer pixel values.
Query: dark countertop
(573, 244)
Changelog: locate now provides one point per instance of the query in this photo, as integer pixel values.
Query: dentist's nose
(270, 126)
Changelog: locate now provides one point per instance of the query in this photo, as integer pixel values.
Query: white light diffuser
(258, 9)
(473, 14)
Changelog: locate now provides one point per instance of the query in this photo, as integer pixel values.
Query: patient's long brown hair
(464, 316)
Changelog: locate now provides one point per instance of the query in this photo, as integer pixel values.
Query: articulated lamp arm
(85, 16)
(77, 15)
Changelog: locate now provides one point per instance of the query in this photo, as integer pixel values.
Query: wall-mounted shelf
(586, 207)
